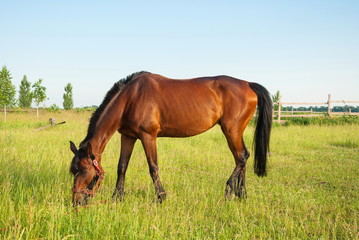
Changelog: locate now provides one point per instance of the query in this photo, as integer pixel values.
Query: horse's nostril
(80, 199)
(79, 202)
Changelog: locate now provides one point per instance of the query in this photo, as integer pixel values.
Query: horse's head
(87, 172)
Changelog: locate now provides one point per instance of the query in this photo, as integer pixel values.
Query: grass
(322, 120)
(311, 192)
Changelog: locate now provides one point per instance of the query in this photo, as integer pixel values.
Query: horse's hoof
(242, 193)
(229, 194)
(118, 197)
(161, 196)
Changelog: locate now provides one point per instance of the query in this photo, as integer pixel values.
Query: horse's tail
(263, 128)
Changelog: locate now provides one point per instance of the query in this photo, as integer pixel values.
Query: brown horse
(145, 106)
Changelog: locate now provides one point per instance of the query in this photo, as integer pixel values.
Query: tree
(39, 94)
(25, 95)
(68, 101)
(275, 100)
(7, 90)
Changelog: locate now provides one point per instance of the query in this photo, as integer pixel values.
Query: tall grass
(311, 191)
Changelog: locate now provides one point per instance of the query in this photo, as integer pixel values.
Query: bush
(343, 120)
(54, 108)
(85, 109)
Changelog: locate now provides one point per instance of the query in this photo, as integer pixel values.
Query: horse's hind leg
(242, 193)
(149, 145)
(127, 145)
(236, 182)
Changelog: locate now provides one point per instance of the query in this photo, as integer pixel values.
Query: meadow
(311, 191)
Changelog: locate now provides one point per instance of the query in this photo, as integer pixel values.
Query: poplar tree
(68, 101)
(25, 95)
(7, 90)
(275, 100)
(39, 94)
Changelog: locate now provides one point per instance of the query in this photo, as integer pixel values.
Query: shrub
(342, 120)
(54, 108)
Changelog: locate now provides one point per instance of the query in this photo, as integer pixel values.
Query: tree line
(28, 93)
(323, 109)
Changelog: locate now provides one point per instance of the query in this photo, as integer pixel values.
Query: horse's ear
(73, 147)
(89, 151)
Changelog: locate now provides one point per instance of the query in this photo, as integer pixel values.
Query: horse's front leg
(149, 145)
(127, 144)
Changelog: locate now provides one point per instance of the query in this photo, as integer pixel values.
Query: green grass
(322, 120)
(311, 191)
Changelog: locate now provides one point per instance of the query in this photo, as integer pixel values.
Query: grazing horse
(145, 106)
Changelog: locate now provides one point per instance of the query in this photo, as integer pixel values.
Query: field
(311, 191)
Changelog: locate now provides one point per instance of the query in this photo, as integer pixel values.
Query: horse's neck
(105, 128)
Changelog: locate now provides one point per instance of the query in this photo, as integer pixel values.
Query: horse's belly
(187, 126)
(180, 132)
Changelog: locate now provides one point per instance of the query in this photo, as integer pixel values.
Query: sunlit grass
(311, 191)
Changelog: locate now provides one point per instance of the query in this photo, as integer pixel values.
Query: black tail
(263, 128)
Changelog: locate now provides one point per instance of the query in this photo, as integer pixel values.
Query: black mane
(118, 86)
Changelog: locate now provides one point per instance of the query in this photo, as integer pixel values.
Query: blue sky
(304, 49)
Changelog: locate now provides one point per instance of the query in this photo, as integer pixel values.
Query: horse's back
(180, 108)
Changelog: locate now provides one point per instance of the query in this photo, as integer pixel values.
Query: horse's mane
(118, 86)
